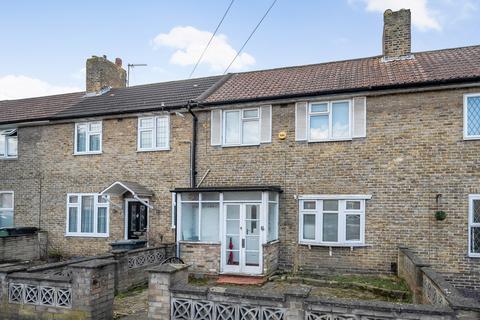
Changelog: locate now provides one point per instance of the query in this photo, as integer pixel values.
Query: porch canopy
(118, 188)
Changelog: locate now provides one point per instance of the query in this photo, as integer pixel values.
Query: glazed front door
(137, 220)
(241, 241)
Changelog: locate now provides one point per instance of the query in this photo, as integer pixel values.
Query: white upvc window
(332, 220)
(153, 133)
(88, 137)
(200, 217)
(8, 143)
(272, 219)
(241, 127)
(474, 225)
(331, 120)
(6, 209)
(471, 116)
(87, 215)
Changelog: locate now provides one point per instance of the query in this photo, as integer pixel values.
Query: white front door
(241, 242)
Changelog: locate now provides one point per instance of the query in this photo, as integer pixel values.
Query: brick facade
(413, 151)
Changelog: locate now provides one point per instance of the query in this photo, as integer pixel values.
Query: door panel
(137, 220)
(242, 242)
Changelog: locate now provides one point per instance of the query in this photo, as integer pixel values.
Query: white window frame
(241, 120)
(330, 117)
(78, 205)
(200, 201)
(465, 117)
(7, 133)
(277, 217)
(343, 212)
(13, 204)
(154, 133)
(87, 138)
(472, 225)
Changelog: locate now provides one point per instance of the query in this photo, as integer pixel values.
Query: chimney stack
(102, 73)
(397, 35)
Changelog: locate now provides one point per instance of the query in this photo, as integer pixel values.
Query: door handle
(243, 243)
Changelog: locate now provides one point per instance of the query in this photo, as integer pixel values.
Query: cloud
(18, 86)
(189, 43)
(423, 16)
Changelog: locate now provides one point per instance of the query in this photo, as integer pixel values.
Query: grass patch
(384, 282)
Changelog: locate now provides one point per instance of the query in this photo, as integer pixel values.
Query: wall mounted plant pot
(440, 215)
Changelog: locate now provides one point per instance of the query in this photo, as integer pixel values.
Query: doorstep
(241, 280)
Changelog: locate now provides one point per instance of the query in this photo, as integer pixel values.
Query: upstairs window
(471, 114)
(87, 215)
(329, 121)
(474, 225)
(88, 137)
(242, 127)
(8, 143)
(154, 133)
(332, 221)
(6, 209)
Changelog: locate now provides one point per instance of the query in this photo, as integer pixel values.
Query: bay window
(88, 137)
(87, 215)
(154, 133)
(6, 209)
(329, 121)
(332, 220)
(8, 143)
(474, 225)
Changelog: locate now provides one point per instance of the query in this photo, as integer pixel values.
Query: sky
(44, 44)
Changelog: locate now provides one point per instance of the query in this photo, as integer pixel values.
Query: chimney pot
(397, 34)
(118, 62)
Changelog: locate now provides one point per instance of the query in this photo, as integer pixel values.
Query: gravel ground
(131, 305)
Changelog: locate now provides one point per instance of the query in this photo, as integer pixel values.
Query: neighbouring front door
(241, 242)
(137, 219)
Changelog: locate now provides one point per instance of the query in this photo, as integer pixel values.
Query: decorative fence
(171, 297)
(43, 295)
(78, 288)
(429, 287)
(130, 271)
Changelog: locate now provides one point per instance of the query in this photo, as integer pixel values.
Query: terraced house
(320, 167)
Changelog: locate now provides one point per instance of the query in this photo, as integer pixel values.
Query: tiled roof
(131, 99)
(144, 97)
(368, 73)
(41, 108)
(431, 67)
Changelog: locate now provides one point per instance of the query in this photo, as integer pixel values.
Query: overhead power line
(250, 36)
(211, 38)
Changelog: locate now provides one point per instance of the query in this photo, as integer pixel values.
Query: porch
(228, 230)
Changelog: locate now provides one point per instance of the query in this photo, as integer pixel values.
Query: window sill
(272, 242)
(153, 150)
(335, 245)
(8, 158)
(86, 235)
(199, 242)
(473, 255)
(86, 153)
(240, 145)
(466, 138)
(330, 140)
